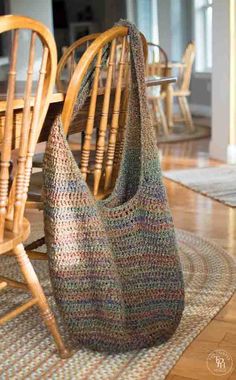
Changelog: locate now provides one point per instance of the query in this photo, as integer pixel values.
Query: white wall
(223, 82)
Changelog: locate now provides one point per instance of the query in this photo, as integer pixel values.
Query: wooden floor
(213, 220)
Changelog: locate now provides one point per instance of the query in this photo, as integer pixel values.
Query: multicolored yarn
(114, 263)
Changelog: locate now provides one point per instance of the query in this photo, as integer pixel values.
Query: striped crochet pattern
(114, 264)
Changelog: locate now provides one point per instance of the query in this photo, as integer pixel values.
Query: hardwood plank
(233, 375)
(213, 220)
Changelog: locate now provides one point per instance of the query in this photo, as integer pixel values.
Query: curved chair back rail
(187, 59)
(68, 59)
(157, 63)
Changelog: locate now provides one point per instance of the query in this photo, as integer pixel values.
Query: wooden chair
(112, 100)
(182, 88)
(157, 65)
(101, 150)
(14, 227)
(69, 60)
(157, 61)
(65, 69)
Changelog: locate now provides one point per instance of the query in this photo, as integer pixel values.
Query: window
(203, 35)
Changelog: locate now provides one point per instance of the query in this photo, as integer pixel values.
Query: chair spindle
(8, 132)
(115, 119)
(20, 177)
(103, 122)
(85, 154)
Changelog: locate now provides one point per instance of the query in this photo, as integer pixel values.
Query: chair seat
(12, 239)
(38, 160)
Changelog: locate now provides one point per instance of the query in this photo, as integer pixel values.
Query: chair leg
(37, 292)
(162, 117)
(157, 110)
(183, 102)
(169, 105)
(154, 112)
(182, 109)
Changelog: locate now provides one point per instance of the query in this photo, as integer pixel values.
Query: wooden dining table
(55, 107)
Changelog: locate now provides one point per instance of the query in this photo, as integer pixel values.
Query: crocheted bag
(114, 264)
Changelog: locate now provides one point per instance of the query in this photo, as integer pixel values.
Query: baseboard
(221, 153)
(218, 152)
(231, 154)
(200, 110)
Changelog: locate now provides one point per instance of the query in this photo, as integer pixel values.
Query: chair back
(70, 58)
(108, 102)
(19, 138)
(188, 59)
(157, 62)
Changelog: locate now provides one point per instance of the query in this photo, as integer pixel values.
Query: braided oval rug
(27, 350)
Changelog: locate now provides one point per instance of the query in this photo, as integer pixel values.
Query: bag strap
(139, 135)
(139, 131)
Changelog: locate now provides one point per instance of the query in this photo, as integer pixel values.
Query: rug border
(197, 191)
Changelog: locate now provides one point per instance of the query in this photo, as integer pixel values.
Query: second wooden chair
(181, 90)
(69, 60)
(157, 65)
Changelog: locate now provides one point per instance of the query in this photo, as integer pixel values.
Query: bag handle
(139, 142)
(140, 137)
